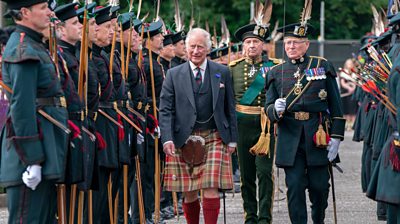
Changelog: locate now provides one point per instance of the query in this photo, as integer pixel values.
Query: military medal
(315, 73)
(322, 94)
(253, 70)
(297, 73)
(297, 88)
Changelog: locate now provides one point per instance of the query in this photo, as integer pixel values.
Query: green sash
(256, 86)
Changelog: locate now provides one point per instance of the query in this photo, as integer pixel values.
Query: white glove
(157, 131)
(396, 134)
(139, 139)
(280, 105)
(333, 148)
(32, 176)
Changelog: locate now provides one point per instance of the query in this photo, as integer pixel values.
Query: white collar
(203, 65)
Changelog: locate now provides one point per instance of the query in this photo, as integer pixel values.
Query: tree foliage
(344, 19)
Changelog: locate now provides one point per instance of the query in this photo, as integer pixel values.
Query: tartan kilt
(216, 172)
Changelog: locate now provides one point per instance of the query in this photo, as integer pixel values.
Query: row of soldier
(92, 78)
(376, 75)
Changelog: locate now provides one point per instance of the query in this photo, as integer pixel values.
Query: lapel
(215, 76)
(187, 83)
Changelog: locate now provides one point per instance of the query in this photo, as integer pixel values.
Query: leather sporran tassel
(261, 148)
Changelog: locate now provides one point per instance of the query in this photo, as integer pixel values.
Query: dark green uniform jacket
(28, 138)
(319, 96)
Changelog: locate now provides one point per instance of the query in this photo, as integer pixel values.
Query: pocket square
(221, 85)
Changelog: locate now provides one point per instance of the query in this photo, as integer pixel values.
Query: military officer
(107, 121)
(34, 141)
(303, 99)
(153, 43)
(69, 32)
(249, 74)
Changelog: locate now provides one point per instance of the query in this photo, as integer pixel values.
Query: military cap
(102, 14)
(126, 18)
(153, 28)
(252, 30)
(181, 35)
(219, 52)
(90, 8)
(168, 39)
(383, 38)
(18, 4)
(66, 11)
(297, 30)
(114, 11)
(368, 43)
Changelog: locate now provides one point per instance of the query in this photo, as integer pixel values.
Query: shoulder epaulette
(233, 63)
(276, 60)
(321, 58)
(281, 61)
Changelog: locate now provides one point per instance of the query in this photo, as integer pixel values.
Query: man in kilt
(197, 117)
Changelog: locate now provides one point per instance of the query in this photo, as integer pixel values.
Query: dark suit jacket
(177, 104)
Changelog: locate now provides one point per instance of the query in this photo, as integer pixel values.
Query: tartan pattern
(215, 173)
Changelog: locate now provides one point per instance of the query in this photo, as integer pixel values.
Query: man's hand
(32, 176)
(280, 105)
(333, 148)
(169, 148)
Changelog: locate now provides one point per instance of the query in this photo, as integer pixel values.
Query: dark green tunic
(253, 167)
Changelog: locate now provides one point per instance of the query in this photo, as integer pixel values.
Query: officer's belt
(123, 103)
(51, 101)
(248, 109)
(107, 105)
(78, 116)
(301, 115)
(92, 115)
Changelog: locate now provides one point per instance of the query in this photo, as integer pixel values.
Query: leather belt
(92, 115)
(108, 105)
(51, 101)
(78, 116)
(248, 109)
(302, 116)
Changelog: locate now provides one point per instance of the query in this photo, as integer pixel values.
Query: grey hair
(198, 31)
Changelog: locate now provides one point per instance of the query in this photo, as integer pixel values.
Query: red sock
(211, 210)
(191, 211)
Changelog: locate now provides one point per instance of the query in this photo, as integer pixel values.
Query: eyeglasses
(294, 42)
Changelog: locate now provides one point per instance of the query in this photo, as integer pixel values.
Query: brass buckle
(63, 102)
(301, 116)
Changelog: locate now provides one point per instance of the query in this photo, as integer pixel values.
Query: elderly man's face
(197, 51)
(253, 47)
(295, 48)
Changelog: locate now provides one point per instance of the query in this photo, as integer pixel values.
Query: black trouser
(300, 177)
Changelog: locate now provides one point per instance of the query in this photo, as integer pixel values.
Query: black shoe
(149, 221)
(166, 214)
